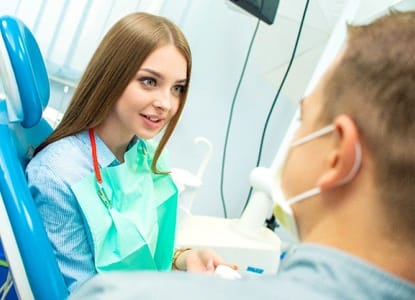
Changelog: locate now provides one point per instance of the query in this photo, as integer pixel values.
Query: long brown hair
(113, 65)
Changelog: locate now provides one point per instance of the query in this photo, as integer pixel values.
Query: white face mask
(282, 209)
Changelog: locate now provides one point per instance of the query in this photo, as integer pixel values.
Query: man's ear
(344, 155)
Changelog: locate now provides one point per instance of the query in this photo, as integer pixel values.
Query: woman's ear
(344, 159)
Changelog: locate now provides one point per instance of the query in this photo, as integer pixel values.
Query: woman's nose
(163, 99)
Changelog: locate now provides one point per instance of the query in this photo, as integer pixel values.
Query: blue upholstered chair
(25, 84)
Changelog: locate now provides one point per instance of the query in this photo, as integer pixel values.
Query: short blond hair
(374, 83)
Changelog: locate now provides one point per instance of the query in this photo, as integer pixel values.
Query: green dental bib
(137, 230)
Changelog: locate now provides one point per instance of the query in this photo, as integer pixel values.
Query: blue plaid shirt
(50, 175)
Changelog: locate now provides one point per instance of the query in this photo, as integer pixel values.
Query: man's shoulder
(328, 271)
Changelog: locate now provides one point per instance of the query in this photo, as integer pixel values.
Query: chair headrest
(23, 73)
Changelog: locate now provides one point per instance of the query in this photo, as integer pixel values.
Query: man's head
(368, 94)
(374, 83)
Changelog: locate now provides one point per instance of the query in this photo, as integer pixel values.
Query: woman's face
(152, 98)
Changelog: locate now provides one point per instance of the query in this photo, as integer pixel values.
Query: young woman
(102, 188)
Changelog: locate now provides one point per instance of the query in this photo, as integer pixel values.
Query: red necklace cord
(94, 155)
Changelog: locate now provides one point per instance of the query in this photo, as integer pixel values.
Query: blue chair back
(26, 94)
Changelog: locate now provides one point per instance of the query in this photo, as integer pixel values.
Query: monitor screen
(262, 9)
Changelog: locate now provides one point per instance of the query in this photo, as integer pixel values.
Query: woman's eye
(178, 90)
(149, 82)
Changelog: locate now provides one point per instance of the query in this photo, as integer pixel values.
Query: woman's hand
(198, 260)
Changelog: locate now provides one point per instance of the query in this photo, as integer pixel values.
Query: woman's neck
(116, 142)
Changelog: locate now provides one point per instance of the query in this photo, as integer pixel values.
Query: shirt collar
(105, 157)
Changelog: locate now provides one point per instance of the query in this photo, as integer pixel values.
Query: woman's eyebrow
(158, 75)
(182, 81)
(155, 73)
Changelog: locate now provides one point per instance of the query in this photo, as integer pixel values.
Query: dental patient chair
(23, 75)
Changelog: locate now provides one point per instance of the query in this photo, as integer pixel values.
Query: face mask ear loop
(313, 135)
(303, 140)
(304, 195)
(356, 165)
(350, 176)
